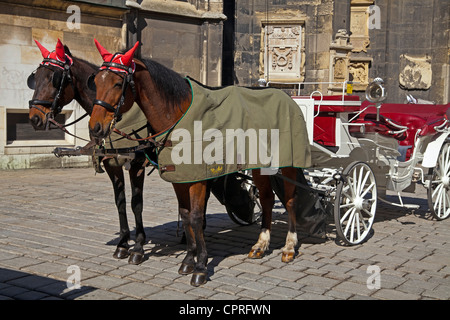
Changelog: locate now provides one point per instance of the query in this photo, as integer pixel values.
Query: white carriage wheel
(438, 191)
(248, 185)
(356, 203)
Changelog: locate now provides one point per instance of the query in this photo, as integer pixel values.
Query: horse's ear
(67, 51)
(105, 54)
(44, 51)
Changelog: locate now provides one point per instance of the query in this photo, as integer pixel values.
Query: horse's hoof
(136, 258)
(121, 253)
(198, 278)
(186, 269)
(256, 254)
(287, 257)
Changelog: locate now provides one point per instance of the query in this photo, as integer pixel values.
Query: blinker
(31, 81)
(91, 82)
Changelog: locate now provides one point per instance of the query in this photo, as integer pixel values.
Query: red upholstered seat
(420, 120)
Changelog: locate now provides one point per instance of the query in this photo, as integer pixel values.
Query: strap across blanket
(133, 123)
(234, 128)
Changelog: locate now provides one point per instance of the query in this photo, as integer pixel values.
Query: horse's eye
(118, 84)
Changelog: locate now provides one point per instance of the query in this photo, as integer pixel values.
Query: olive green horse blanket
(134, 123)
(233, 128)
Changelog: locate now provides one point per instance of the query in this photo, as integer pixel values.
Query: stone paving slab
(53, 219)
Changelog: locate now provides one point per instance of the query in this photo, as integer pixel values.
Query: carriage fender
(433, 149)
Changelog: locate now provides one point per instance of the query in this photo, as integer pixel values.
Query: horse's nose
(97, 131)
(36, 122)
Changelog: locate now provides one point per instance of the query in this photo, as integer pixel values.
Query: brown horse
(164, 97)
(58, 80)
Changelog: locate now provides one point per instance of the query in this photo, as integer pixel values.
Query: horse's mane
(90, 64)
(83, 62)
(169, 83)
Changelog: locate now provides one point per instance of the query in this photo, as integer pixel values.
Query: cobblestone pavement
(51, 220)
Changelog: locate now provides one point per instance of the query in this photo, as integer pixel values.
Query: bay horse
(164, 96)
(58, 80)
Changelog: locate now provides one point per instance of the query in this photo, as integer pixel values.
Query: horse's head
(50, 82)
(114, 87)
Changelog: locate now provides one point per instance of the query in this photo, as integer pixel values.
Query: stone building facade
(411, 48)
(405, 42)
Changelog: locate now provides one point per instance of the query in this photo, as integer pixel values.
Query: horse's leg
(208, 193)
(198, 196)
(288, 250)
(182, 192)
(115, 173)
(137, 183)
(267, 199)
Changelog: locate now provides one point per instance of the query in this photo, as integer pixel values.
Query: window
(20, 129)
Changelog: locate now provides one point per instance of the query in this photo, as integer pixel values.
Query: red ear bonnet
(125, 59)
(59, 54)
(128, 56)
(105, 54)
(44, 51)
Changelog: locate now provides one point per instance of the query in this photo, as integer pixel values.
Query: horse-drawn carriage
(361, 149)
(353, 151)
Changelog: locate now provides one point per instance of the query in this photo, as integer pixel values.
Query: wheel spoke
(359, 182)
(355, 183)
(363, 183)
(439, 187)
(358, 227)
(349, 221)
(438, 204)
(368, 212)
(347, 205)
(446, 158)
(350, 186)
(363, 222)
(346, 214)
(369, 188)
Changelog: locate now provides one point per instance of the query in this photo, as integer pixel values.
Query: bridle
(59, 81)
(127, 80)
(126, 75)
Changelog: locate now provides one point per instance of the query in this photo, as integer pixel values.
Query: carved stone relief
(281, 55)
(415, 72)
(359, 25)
(340, 69)
(360, 74)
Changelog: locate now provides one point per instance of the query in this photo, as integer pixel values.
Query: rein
(63, 127)
(163, 143)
